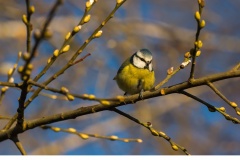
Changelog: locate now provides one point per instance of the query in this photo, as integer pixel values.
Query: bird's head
(143, 59)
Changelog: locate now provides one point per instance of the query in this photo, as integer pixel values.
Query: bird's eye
(142, 59)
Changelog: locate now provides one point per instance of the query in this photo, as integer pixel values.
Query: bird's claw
(141, 94)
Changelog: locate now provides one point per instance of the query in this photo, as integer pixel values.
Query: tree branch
(6, 134)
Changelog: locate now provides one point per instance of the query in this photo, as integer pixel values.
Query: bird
(136, 73)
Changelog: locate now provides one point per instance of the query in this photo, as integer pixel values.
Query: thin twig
(87, 135)
(5, 117)
(19, 145)
(24, 92)
(61, 71)
(81, 59)
(232, 104)
(67, 93)
(28, 26)
(235, 68)
(10, 79)
(196, 47)
(66, 41)
(166, 79)
(20, 110)
(28, 60)
(10, 84)
(42, 33)
(79, 51)
(211, 108)
(148, 125)
(10, 122)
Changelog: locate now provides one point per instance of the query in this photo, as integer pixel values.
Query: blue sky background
(167, 28)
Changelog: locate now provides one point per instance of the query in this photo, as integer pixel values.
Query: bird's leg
(125, 94)
(140, 94)
(140, 86)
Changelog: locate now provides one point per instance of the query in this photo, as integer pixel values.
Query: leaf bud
(56, 53)
(68, 36)
(238, 112)
(202, 24)
(28, 72)
(66, 48)
(120, 98)
(106, 103)
(174, 147)
(88, 4)
(49, 60)
(162, 133)
(233, 104)
(83, 136)
(4, 89)
(11, 80)
(48, 33)
(87, 18)
(114, 137)
(26, 56)
(170, 71)
(32, 9)
(119, 1)
(77, 28)
(55, 129)
(222, 109)
(70, 97)
(98, 34)
(72, 130)
(24, 19)
(199, 44)
(64, 90)
(91, 96)
(198, 53)
(154, 132)
(10, 71)
(197, 16)
(20, 69)
(201, 3)
(187, 55)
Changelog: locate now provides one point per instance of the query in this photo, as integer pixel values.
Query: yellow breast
(129, 77)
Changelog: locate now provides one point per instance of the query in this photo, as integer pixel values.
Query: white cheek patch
(150, 67)
(138, 63)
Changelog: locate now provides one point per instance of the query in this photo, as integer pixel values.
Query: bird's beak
(147, 66)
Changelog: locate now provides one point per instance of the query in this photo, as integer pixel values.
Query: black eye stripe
(143, 59)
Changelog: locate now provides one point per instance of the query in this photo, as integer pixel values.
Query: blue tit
(136, 74)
